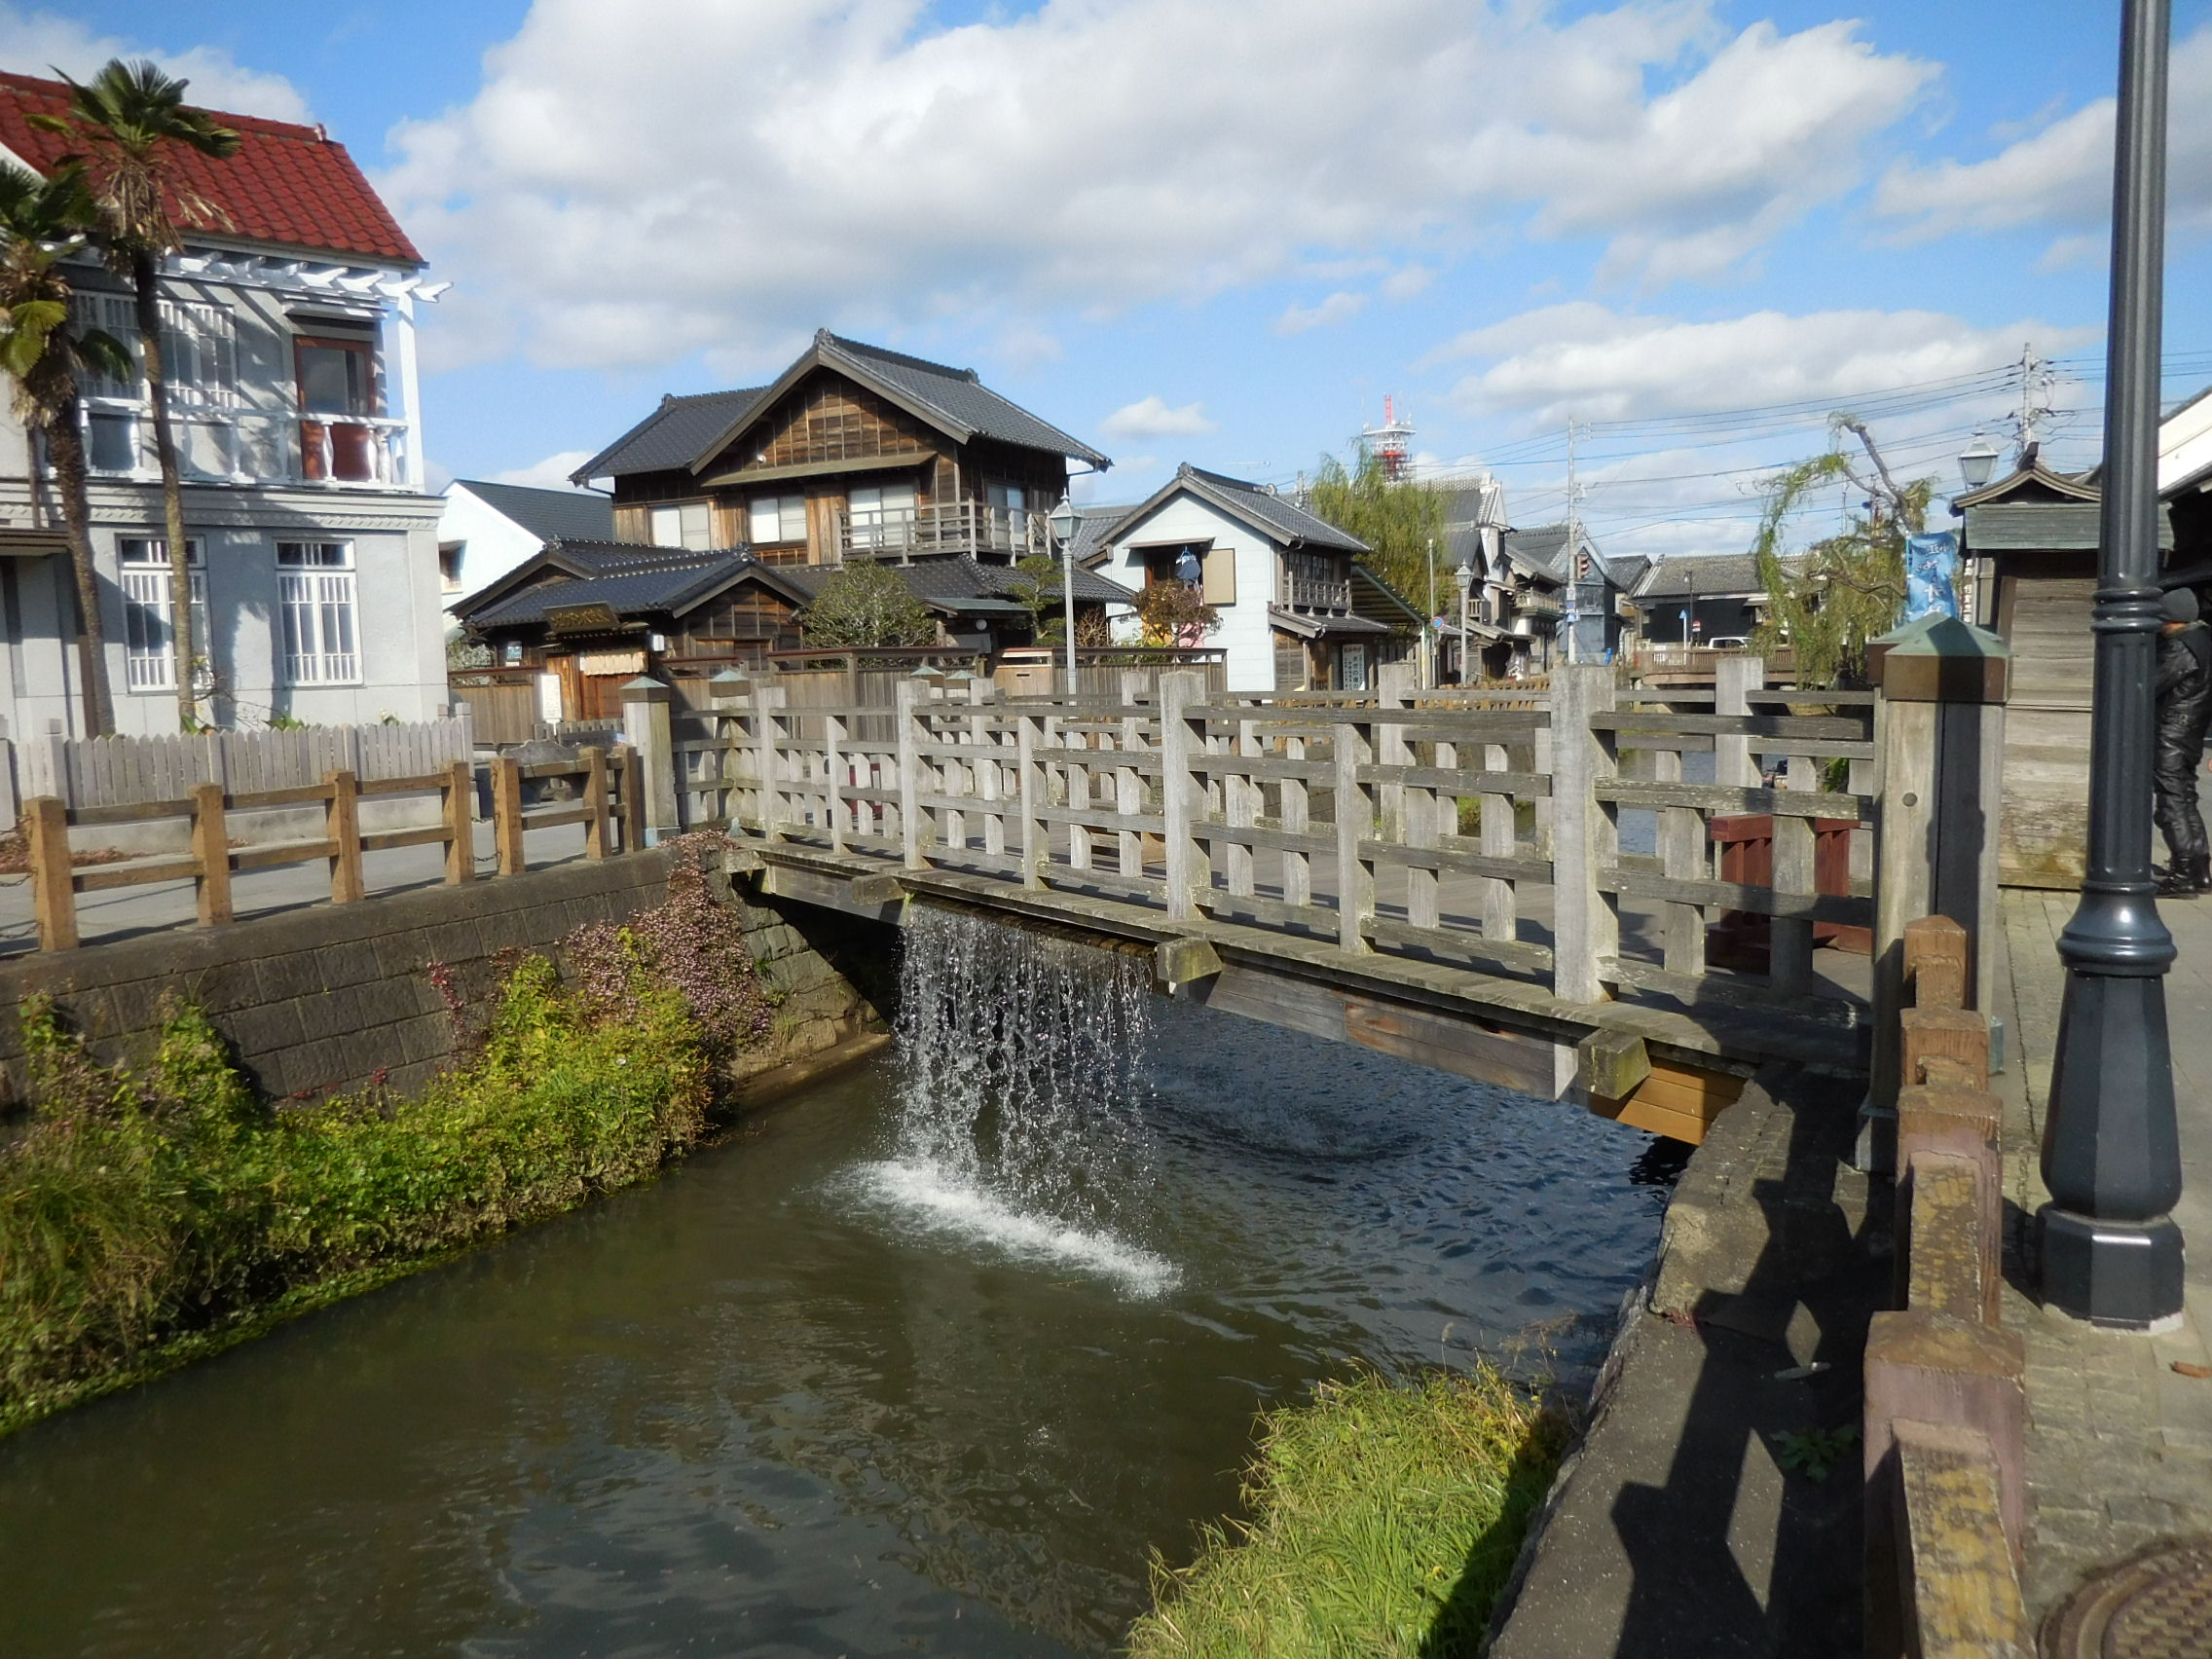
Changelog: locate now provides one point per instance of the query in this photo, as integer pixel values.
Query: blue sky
(1221, 232)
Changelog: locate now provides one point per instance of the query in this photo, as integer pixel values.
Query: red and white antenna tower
(1392, 442)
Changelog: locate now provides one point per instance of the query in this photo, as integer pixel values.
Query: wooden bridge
(1434, 876)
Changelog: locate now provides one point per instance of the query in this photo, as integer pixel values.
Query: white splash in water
(921, 1193)
(1019, 1120)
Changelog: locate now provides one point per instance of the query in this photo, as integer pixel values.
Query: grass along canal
(931, 1357)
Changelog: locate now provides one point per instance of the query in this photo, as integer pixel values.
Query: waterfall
(1021, 1093)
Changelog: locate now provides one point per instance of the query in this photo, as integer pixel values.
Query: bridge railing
(1478, 828)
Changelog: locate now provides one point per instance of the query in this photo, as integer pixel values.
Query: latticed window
(149, 638)
(315, 591)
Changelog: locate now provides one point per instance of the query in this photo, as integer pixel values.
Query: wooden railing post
(596, 816)
(645, 726)
(833, 787)
(53, 885)
(506, 814)
(1355, 822)
(1035, 836)
(1128, 784)
(461, 823)
(342, 828)
(1940, 759)
(1586, 924)
(211, 849)
(906, 698)
(633, 801)
(1178, 691)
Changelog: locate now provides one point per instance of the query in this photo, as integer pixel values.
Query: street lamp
(1063, 523)
(2110, 1252)
(1463, 573)
(1975, 461)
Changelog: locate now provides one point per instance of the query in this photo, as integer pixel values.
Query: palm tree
(132, 118)
(42, 221)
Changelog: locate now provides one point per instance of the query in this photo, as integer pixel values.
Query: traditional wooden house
(1297, 612)
(853, 449)
(732, 510)
(1525, 582)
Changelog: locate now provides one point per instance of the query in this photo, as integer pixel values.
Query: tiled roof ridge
(1226, 482)
(864, 349)
(313, 133)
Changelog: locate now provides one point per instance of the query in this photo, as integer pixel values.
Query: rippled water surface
(815, 1393)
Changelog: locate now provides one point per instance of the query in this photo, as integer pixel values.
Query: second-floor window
(315, 592)
(149, 638)
(683, 523)
(778, 520)
(883, 514)
(337, 377)
(200, 369)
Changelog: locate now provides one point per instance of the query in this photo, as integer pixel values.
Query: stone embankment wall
(340, 998)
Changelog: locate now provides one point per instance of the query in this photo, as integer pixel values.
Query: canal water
(925, 1361)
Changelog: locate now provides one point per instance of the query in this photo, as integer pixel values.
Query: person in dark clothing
(2185, 709)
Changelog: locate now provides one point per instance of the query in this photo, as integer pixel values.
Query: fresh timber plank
(1675, 1100)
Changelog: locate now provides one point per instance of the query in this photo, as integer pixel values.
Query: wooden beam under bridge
(1473, 1024)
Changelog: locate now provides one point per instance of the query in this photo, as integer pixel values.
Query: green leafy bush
(1384, 1522)
(149, 1206)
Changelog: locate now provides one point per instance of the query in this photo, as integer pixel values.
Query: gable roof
(1706, 575)
(1271, 515)
(691, 432)
(2032, 481)
(289, 184)
(674, 434)
(550, 515)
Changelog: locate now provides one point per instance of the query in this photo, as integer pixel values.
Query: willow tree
(1847, 588)
(134, 123)
(1399, 520)
(41, 222)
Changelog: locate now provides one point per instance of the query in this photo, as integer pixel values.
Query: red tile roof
(287, 185)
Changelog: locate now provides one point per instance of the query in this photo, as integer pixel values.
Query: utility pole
(2110, 1252)
(1573, 544)
(2037, 380)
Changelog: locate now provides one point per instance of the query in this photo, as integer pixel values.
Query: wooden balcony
(997, 534)
(1315, 585)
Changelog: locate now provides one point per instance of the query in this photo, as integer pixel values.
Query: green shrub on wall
(152, 1212)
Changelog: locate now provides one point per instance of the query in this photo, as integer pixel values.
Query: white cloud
(1584, 360)
(1152, 418)
(2060, 173)
(38, 43)
(635, 183)
(1337, 307)
(1406, 283)
(551, 473)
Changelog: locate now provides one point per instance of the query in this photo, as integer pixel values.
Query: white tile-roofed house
(1280, 577)
(288, 327)
(486, 529)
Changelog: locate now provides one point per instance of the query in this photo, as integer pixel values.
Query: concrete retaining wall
(337, 997)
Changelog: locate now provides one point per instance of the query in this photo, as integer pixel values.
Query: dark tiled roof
(671, 435)
(1540, 546)
(1285, 520)
(1679, 575)
(550, 515)
(631, 579)
(962, 577)
(287, 185)
(962, 399)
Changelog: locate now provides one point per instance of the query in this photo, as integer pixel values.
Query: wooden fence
(609, 801)
(1290, 813)
(133, 771)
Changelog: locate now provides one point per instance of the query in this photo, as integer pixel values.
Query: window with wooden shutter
(1220, 566)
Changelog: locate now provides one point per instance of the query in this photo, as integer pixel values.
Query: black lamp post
(2111, 1251)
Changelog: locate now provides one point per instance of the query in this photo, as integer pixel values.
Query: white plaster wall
(492, 544)
(1244, 633)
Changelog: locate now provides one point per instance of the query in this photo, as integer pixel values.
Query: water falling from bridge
(1023, 1083)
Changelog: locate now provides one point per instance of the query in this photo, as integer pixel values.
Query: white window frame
(776, 520)
(318, 613)
(149, 661)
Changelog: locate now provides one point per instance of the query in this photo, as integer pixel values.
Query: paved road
(2119, 1444)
